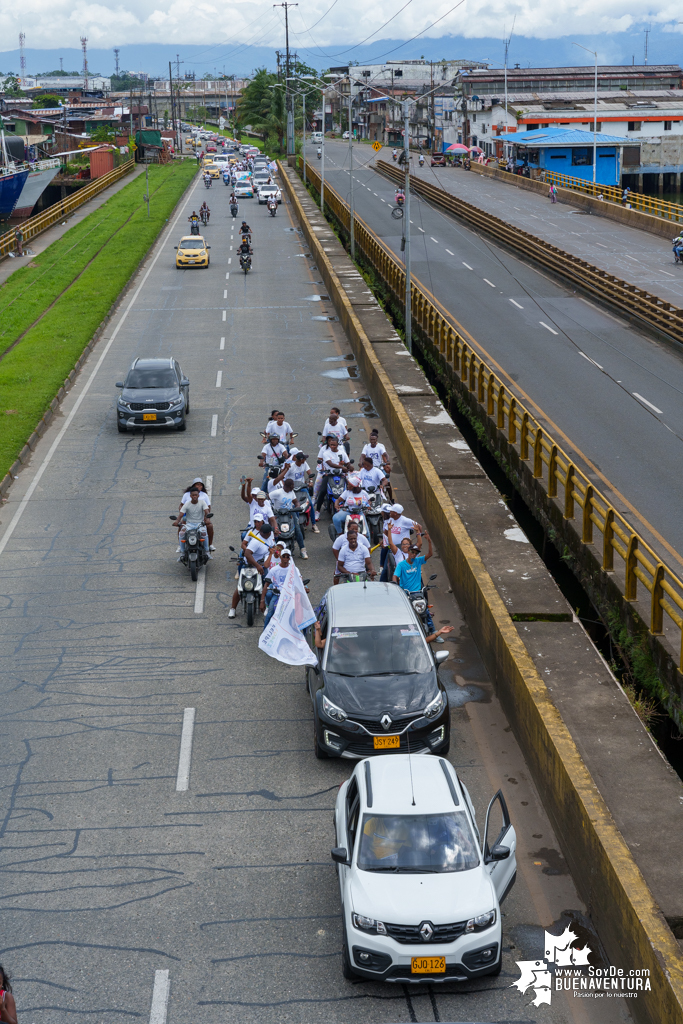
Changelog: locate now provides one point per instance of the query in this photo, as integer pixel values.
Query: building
(61, 85)
(568, 151)
(217, 96)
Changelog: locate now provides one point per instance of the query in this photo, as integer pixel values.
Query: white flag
(283, 636)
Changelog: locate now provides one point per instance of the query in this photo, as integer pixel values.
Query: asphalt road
(110, 876)
(609, 393)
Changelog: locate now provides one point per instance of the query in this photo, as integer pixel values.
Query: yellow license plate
(387, 742)
(428, 965)
(149, 415)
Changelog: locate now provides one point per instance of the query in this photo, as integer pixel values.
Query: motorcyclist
(678, 248)
(193, 513)
(203, 493)
(207, 179)
(394, 154)
(408, 574)
(371, 475)
(245, 229)
(421, 160)
(331, 459)
(272, 204)
(258, 503)
(320, 152)
(399, 196)
(194, 223)
(274, 579)
(351, 500)
(205, 211)
(283, 498)
(272, 454)
(255, 548)
(354, 557)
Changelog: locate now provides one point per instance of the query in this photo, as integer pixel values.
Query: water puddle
(315, 298)
(342, 373)
(325, 341)
(458, 695)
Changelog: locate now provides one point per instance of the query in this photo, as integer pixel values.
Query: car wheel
(495, 971)
(444, 752)
(182, 425)
(122, 429)
(332, 532)
(187, 406)
(320, 754)
(348, 972)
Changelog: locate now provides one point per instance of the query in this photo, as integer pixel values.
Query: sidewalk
(41, 242)
(635, 256)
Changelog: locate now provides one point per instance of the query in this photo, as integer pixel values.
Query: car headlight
(332, 711)
(477, 924)
(203, 252)
(435, 706)
(368, 924)
(420, 605)
(248, 584)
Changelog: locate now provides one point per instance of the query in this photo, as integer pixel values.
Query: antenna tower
(117, 51)
(84, 47)
(22, 58)
(61, 63)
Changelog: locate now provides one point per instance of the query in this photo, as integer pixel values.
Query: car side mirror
(231, 547)
(441, 656)
(340, 856)
(173, 518)
(433, 577)
(119, 384)
(184, 382)
(175, 246)
(499, 853)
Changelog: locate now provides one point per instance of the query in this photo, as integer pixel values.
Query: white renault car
(266, 192)
(420, 891)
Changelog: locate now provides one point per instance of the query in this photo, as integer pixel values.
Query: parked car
(420, 889)
(438, 160)
(345, 135)
(155, 393)
(375, 687)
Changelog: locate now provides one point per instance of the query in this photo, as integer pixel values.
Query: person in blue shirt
(408, 573)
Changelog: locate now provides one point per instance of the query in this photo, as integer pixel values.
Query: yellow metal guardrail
(648, 308)
(552, 466)
(34, 225)
(637, 201)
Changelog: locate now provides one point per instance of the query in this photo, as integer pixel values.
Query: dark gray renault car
(375, 687)
(156, 393)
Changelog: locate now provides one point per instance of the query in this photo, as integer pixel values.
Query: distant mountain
(153, 58)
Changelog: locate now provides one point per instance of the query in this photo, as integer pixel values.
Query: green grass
(104, 249)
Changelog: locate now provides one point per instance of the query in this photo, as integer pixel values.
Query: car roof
(152, 363)
(368, 604)
(186, 238)
(392, 791)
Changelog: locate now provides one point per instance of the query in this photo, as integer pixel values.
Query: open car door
(499, 855)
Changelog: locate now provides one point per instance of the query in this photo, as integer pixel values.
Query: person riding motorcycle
(194, 223)
(245, 229)
(408, 573)
(205, 211)
(271, 204)
(207, 179)
(193, 512)
(678, 248)
(399, 196)
(351, 500)
(244, 249)
(421, 160)
(320, 152)
(394, 155)
(254, 550)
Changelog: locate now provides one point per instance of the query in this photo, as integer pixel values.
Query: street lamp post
(406, 229)
(595, 110)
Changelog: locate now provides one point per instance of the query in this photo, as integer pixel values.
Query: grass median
(51, 308)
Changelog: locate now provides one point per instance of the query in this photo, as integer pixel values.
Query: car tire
(182, 425)
(348, 972)
(320, 754)
(332, 532)
(122, 429)
(187, 406)
(495, 971)
(444, 752)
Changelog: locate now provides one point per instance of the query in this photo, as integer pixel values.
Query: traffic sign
(377, 146)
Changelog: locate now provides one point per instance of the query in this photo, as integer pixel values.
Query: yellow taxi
(192, 251)
(213, 169)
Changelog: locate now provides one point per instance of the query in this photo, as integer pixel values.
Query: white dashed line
(182, 779)
(227, 276)
(225, 293)
(224, 314)
(222, 344)
(219, 378)
(421, 229)
(603, 246)
(547, 328)
(199, 594)
(489, 282)
(450, 253)
(466, 265)
(667, 273)
(434, 240)
(381, 201)
(229, 260)
(648, 404)
(631, 258)
(516, 304)
(214, 425)
(591, 360)
(160, 996)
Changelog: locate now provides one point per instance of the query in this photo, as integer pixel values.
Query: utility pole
(352, 239)
(22, 58)
(288, 104)
(170, 90)
(406, 229)
(84, 47)
(178, 62)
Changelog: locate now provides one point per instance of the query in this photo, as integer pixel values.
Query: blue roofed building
(567, 151)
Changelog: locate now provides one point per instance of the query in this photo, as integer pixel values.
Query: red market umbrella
(476, 149)
(457, 147)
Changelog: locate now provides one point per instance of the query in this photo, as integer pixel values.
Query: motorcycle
(207, 182)
(194, 227)
(394, 156)
(319, 155)
(373, 516)
(204, 216)
(336, 485)
(195, 555)
(353, 517)
(303, 496)
(400, 198)
(249, 588)
(420, 603)
(272, 209)
(234, 208)
(245, 263)
(285, 522)
(226, 179)
(677, 251)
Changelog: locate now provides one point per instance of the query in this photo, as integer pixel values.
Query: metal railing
(41, 221)
(551, 465)
(629, 298)
(637, 201)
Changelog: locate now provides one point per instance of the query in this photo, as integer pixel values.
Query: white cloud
(54, 23)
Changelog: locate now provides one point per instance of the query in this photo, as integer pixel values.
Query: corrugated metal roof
(546, 137)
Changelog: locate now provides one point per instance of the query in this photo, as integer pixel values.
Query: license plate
(149, 415)
(428, 965)
(386, 743)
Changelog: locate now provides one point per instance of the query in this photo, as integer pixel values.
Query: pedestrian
(552, 194)
(624, 196)
(8, 1008)
(19, 238)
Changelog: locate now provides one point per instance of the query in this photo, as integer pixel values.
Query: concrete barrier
(628, 920)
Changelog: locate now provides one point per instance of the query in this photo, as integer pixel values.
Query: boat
(12, 181)
(39, 176)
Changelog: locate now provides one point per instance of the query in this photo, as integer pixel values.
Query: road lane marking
(603, 246)
(229, 260)
(219, 378)
(420, 229)
(199, 596)
(667, 273)
(450, 253)
(224, 314)
(433, 239)
(185, 756)
(591, 360)
(648, 404)
(466, 265)
(225, 293)
(547, 328)
(214, 425)
(489, 282)
(160, 996)
(631, 258)
(227, 276)
(77, 404)
(222, 344)
(516, 304)
(209, 487)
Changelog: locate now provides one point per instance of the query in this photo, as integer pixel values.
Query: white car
(265, 192)
(420, 891)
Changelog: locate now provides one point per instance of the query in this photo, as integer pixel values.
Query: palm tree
(262, 107)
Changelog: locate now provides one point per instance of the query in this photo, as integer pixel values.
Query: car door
(183, 382)
(348, 836)
(498, 825)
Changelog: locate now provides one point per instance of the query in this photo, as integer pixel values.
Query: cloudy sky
(331, 26)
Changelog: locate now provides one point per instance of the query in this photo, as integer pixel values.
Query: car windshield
(406, 843)
(152, 377)
(377, 650)
(192, 243)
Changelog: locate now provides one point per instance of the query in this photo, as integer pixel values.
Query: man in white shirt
(273, 582)
(331, 459)
(257, 501)
(281, 427)
(354, 557)
(284, 499)
(377, 453)
(350, 500)
(336, 424)
(342, 539)
(255, 548)
(272, 454)
(192, 514)
(371, 475)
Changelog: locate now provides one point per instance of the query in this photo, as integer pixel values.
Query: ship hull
(36, 182)
(11, 187)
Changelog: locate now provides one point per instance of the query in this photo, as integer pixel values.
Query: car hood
(411, 899)
(190, 252)
(149, 394)
(373, 696)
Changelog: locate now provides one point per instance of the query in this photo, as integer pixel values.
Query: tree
(262, 107)
(12, 86)
(104, 133)
(46, 101)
